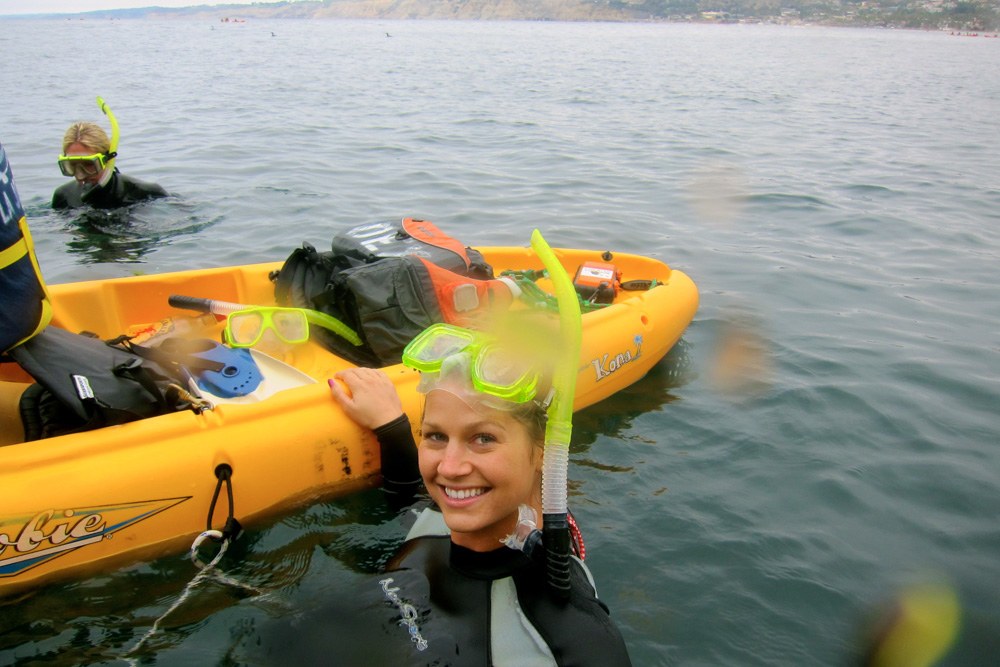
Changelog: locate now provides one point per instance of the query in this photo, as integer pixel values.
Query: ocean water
(827, 437)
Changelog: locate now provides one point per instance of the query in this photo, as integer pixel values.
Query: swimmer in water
(89, 158)
(475, 563)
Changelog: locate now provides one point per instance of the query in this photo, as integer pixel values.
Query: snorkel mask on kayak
(474, 366)
(90, 165)
(246, 326)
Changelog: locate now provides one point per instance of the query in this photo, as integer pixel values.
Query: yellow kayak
(84, 502)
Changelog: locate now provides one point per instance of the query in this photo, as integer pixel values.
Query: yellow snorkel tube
(113, 148)
(559, 427)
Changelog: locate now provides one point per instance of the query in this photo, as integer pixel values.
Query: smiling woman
(469, 583)
(479, 465)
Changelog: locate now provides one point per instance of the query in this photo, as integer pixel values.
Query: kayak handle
(201, 305)
(639, 285)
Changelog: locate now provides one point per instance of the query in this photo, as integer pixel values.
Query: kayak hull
(85, 502)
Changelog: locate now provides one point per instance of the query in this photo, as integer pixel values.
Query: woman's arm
(372, 402)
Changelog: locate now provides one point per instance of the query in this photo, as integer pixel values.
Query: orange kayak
(85, 502)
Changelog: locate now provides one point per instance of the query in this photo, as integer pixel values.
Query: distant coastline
(964, 17)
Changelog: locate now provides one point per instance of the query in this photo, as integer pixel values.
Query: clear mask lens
(505, 374)
(435, 344)
(246, 328)
(83, 165)
(291, 326)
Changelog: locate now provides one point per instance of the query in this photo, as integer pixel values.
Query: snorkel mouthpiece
(559, 428)
(526, 535)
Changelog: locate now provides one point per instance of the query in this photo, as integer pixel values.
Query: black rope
(232, 528)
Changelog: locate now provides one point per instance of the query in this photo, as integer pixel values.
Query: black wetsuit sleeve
(61, 197)
(400, 469)
(146, 190)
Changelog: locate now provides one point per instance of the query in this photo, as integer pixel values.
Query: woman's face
(85, 173)
(478, 465)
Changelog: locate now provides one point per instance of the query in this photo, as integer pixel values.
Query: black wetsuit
(443, 605)
(120, 190)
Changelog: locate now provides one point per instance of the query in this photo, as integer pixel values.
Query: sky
(10, 7)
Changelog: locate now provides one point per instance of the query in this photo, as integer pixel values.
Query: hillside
(962, 15)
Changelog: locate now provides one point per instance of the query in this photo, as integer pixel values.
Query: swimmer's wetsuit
(443, 605)
(120, 190)
(490, 608)
(495, 608)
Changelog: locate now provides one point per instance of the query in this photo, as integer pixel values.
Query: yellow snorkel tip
(113, 150)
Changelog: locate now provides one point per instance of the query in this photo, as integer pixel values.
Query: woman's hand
(372, 401)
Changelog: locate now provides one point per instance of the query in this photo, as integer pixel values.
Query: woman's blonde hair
(533, 416)
(89, 134)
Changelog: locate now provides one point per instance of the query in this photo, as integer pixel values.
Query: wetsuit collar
(488, 565)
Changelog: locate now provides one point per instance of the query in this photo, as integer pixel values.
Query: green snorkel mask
(473, 365)
(104, 163)
(559, 428)
(247, 326)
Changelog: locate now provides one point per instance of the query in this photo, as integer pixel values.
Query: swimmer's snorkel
(109, 165)
(559, 427)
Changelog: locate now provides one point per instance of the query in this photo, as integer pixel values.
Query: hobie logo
(607, 364)
(28, 541)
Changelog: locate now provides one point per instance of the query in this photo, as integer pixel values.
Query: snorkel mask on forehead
(90, 165)
(476, 367)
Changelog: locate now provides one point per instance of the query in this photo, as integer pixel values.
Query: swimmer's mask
(449, 356)
(90, 165)
(84, 165)
(247, 327)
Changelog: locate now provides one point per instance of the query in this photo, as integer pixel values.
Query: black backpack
(376, 280)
